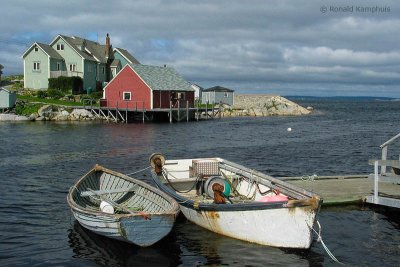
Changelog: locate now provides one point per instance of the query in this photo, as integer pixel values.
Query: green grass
(51, 101)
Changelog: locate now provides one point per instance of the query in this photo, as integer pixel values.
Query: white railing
(58, 73)
(385, 177)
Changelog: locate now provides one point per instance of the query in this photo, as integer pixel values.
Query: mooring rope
(138, 171)
(319, 239)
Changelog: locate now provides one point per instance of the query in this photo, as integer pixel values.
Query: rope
(170, 184)
(311, 178)
(138, 171)
(319, 239)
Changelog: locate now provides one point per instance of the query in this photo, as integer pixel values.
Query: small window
(225, 94)
(72, 67)
(36, 49)
(58, 66)
(60, 47)
(36, 66)
(103, 70)
(127, 96)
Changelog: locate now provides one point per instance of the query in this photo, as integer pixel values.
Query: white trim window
(36, 66)
(72, 67)
(60, 47)
(127, 96)
(58, 66)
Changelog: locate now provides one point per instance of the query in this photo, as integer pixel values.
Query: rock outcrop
(264, 105)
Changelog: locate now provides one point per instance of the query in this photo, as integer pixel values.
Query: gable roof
(127, 56)
(218, 89)
(76, 43)
(161, 78)
(46, 48)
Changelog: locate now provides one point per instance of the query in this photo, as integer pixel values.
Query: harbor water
(40, 161)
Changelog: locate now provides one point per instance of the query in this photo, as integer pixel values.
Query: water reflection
(107, 252)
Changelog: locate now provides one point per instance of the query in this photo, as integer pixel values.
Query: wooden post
(384, 157)
(143, 110)
(207, 110)
(126, 113)
(170, 111)
(116, 113)
(179, 111)
(197, 111)
(187, 110)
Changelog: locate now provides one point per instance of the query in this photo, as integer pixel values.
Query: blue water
(39, 161)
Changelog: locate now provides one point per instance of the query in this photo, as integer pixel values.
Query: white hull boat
(121, 207)
(254, 207)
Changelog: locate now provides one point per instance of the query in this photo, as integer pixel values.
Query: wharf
(344, 189)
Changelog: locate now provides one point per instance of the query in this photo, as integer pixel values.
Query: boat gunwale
(246, 206)
(78, 208)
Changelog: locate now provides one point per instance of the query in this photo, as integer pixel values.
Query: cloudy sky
(317, 48)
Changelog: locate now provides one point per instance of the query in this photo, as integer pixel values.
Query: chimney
(108, 46)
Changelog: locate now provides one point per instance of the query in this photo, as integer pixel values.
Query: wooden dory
(120, 207)
(259, 208)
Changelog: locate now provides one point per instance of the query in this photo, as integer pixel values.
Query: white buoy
(106, 207)
(289, 129)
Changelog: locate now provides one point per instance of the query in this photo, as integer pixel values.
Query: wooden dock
(344, 189)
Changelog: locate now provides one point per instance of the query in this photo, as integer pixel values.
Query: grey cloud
(250, 46)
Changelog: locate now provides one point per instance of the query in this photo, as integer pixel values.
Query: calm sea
(39, 161)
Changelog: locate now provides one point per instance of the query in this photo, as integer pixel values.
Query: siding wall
(36, 79)
(128, 81)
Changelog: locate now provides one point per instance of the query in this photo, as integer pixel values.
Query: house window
(72, 67)
(58, 66)
(36, 49)
(103, 70)
(60, 47)
(225, 94)
(127, 96)
(36, 66)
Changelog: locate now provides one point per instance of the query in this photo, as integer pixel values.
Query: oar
(146, 216)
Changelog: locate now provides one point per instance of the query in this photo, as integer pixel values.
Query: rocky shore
(52, 113)
(244, 105)
(264, 105)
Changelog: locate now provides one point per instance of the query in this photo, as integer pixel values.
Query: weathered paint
(289, 228)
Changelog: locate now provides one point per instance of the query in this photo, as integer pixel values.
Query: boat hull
(259, 208)
(135, 230)
(284, 227)
(143, 214)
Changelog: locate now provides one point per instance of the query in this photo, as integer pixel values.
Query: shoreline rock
(264, 105)
(52, 113)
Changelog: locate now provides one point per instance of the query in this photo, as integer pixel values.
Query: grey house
(218, 94)
(7, 98)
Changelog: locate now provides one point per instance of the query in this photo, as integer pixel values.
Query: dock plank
(344, 189)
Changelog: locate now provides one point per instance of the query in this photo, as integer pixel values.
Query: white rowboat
(120, 207)
(258, 208)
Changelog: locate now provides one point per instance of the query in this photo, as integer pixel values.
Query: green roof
(161, 78)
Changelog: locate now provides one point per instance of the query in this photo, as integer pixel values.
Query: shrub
(54, 93)
(41, 94)
(97, 94)
(26, 109)
(67, 84)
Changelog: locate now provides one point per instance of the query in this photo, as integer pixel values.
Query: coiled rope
(319, 239)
